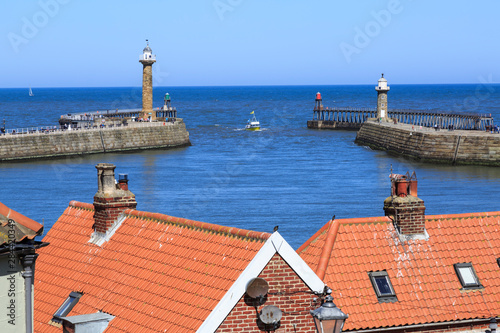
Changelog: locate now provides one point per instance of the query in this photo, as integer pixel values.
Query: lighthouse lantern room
(147, 53)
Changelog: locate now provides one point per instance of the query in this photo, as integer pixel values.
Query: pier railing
(91, 115)
(425, 118)
(170, 112)
(43, 130)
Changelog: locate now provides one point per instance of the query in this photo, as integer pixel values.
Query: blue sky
(76, 43)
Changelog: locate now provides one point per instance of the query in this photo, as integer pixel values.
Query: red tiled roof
(25, 228)
(421, 271)
(156, 273)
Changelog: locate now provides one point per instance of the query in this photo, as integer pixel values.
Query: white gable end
(275, 244)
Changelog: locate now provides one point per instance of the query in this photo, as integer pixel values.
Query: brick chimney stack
(406, 209)
(111, 198)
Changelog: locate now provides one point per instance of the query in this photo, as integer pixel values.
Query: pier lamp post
(328, 318)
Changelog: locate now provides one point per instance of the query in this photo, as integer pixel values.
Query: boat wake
(244, 129)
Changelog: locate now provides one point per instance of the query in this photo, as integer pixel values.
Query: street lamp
(493, 325)
(328, 318)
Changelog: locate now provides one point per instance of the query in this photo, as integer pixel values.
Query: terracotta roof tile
(24, 227)
(421, 271)
(154, 270)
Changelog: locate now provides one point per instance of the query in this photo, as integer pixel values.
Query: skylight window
(467, 276)
(67, 306)
(498, 262)
(383, 287)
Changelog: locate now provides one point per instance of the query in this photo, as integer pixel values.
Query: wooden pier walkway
(89, 119)
(353, 118)
(170, 112)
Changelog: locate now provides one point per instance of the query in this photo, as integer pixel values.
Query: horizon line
(253, 85)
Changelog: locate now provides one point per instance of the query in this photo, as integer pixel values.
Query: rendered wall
(80, 142)
(12, 297)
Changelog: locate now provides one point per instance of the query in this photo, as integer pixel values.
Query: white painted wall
(12, 291)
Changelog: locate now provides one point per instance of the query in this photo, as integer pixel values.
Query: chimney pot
(407, 210)
(123, 181)
(402, 188)
(105, 177)
(413, 187)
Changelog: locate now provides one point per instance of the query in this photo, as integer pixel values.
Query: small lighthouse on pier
(147, 59)
(318, 106)
(382, 90)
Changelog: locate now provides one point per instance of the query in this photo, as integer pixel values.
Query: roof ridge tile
(218, 229)
(82, 205)
(462, 215)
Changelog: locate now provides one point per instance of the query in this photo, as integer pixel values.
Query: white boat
(31, 93)
(253, 124)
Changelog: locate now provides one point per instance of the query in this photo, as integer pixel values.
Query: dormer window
(467, 276)
(383, 287)
(67, 306)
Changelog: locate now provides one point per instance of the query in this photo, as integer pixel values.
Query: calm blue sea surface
(284, 175)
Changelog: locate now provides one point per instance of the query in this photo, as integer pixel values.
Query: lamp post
(328, 318)
(493, 325)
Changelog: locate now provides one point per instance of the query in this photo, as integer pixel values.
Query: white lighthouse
(382, 90)
(147, 53)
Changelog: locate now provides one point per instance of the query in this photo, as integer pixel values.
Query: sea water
(284, 175)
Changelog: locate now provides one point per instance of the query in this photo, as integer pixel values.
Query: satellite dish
(257, 287)
(270, 314)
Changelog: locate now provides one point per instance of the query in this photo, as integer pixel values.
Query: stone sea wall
(136, 136)
(428, 145)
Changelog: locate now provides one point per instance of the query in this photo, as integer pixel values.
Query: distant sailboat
(31, 93)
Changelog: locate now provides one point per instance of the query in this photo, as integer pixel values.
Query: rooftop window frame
(498, 262)
(68, 305)
(466, 285)
(383, 297)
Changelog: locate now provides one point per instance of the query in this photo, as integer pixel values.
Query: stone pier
(430, 145)
(136, 136)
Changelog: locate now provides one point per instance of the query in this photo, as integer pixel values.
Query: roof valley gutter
(403, 328)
